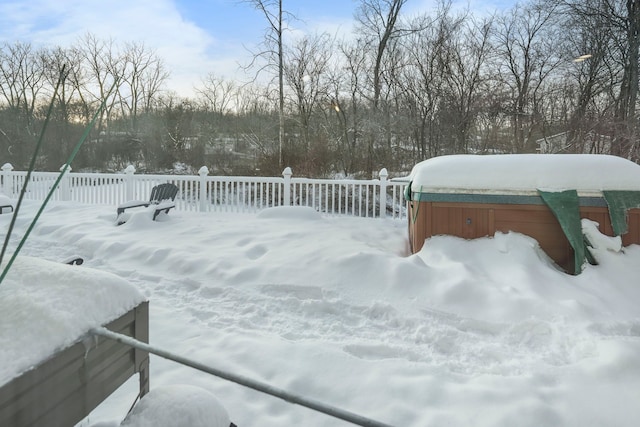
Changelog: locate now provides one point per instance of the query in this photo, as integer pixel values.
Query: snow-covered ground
(483, 333)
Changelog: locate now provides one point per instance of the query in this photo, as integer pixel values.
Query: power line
(244, 381)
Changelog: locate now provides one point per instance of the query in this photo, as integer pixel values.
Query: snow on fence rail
(376, 198)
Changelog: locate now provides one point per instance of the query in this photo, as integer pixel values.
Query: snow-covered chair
(162, 198)
(74, 260)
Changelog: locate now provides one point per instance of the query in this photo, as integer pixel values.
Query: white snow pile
(5, 202)
(485, 332)
(599, 242)
(586, 173)
(178, 405)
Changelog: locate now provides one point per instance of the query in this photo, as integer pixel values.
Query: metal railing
(374, 198)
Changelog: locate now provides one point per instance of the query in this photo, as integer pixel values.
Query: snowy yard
(482, 333)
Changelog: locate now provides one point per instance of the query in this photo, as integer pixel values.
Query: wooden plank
(440, 221)
(513, 215)
(604, 226)
(74, 398)
(599, 215)
(491, 219)
(51, 390)
(79, 402)
(65, 361)
(411, 224)
(64, 389)
(537, 221)
(141, 358)
(75, 377)
(484, 224)
(421, 224)
(468, 222)
(633, 234)
(428, 214)
(454, 221)
(414, 222)
(496, 206)
(420, 217)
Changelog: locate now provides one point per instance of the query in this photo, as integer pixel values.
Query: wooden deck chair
(162, 197)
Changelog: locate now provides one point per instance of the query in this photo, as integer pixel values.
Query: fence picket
(368, 198)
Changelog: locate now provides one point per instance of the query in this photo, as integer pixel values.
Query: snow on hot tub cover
(47, 306)
(525, 173)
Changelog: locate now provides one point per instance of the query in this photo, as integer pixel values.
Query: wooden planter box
(473, 216)
(64, 389)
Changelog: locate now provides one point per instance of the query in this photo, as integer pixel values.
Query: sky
(485, 332)
(194, 37)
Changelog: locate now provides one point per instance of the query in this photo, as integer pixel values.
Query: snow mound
(598, 240)
(4, 200)
(290, 212)
(178, 405)
(483, 333)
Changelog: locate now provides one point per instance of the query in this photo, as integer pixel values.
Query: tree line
(552, 75)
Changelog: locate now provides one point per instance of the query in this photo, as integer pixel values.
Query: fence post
(128, 182)
(7, 184)
(286, 173)
(65, 184)
(203, 172)
(383, 192)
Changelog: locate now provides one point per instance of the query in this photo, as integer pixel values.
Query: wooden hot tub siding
(452, 215)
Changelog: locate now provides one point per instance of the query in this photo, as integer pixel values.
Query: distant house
(589, 143)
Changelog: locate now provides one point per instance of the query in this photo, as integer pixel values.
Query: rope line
(244, 381)
(55, 184)
(32, 165)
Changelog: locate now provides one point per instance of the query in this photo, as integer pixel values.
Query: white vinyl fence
(376, 198)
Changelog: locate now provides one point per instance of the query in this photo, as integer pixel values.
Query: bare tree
(218, 94)
(378, 23)
(23, 77)
(463, 49)
(527, 55)
(346, 83)
(422, 82)
(67, 62)
(273, 43)
(621, 21)
(22, 80)
(142, 77)
(590, 74)
(68, 118)
(103, 68)
(306, 64)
